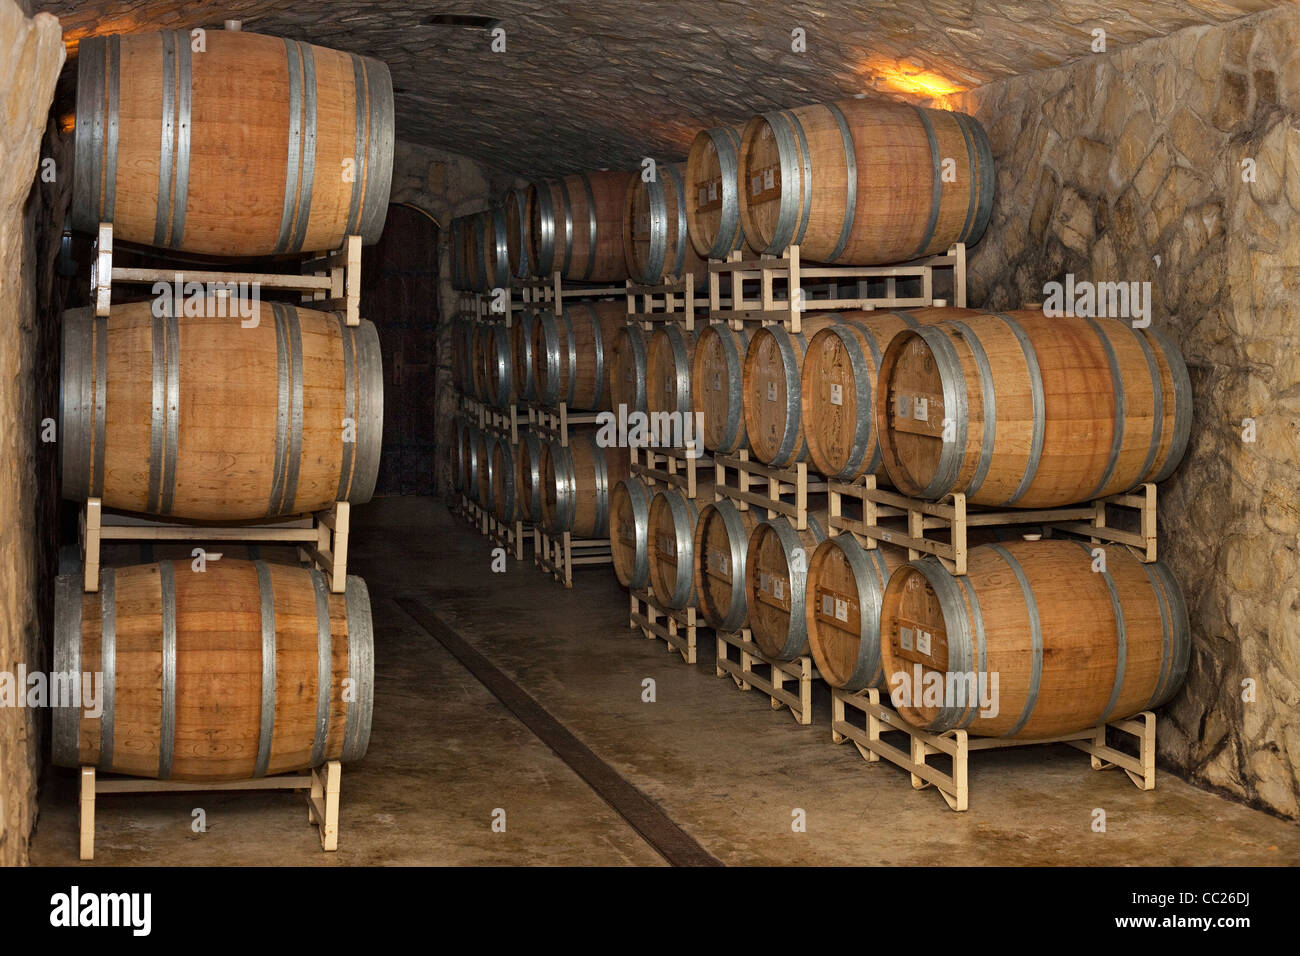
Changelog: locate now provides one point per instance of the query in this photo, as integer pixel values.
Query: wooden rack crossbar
(953, 515)
(553, 292)
(554, 423)
(672, 301)
(558, 555)
(741, 670)
(505, 422)
(768, 270)
(322, 537)
(322, 784)
(771, 482)
(676, 467)
(330, 282)
(679, 626)
(509, 535)
(875, 718)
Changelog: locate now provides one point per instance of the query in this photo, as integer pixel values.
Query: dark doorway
(399, 293)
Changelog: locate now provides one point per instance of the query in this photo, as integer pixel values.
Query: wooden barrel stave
(227, 675)
(668, 376)
(626, 361)
(515, 205)
(671, 544)
(576, 226)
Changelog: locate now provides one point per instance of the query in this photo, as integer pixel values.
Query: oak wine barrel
(713, 192)
(776, 571)
(146, 405)
(302, 135)
(576, 484)
(655, 241)
(672, 522)
(773, 387)
(1071, 647)
(496, 264)
(503, 474)
(629, 534)
(846, 583)
(839, 385)
(569, 353)
(717, 392)
(469, 461)
(668, 379)
(484, 443)
(576, 226)
(861, 182)
(459, 466)
(515, 205)
(626, 360)
(528, 476)
(499, 367)
(244, 670)
(721, 545)
(1042, 411)
(521, 352)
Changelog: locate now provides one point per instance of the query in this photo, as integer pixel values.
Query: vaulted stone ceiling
(603, 84)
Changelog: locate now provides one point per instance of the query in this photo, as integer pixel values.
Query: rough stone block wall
(1177, 162)
(445, 185)
(32, 51)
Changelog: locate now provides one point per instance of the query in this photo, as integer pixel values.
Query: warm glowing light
(910, 78)
(67, 122)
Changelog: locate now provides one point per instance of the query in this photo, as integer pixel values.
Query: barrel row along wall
(27, 482)
(1129, 167)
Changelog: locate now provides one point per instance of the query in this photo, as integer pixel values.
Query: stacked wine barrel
(242, 668)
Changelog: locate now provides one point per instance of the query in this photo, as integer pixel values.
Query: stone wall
(32, 51)
(1177, 161)
(445, 185)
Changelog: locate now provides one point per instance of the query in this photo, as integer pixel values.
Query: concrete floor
(445, 753)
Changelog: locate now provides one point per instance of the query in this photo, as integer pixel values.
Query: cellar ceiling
(583, 85)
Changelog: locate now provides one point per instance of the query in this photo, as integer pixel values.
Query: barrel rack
(322, 785)
(558, 555)
(741, 668)
(784, 292)
(671, 301)
(874, 718)
(321, 538)
(329, 282)
(951, 515)
(553, 292)
(762, 486)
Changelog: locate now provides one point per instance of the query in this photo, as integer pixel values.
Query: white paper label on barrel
(668, 545)
(920, 408)
(771, 391)
(778, 589)
(719, 560)
(841, 610)
(713, 189)
(837, 394)
(757, 185)
(828, 605)
(923, 642)
(905, 638)
(769, 178)
(904, 406)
